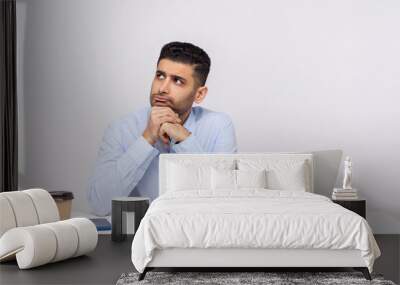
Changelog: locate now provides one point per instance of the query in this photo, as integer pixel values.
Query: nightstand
(127, 213)
(358, 206)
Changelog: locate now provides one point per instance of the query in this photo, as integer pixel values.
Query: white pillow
(251, 178)
(237, 179)
(181, 177)
(223, 179)
(186, 175)
(281, 174)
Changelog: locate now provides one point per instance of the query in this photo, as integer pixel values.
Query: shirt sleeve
(225, 140)
(117, 171)
(189, 145)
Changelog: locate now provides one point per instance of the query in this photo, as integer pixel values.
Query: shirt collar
(189, 121)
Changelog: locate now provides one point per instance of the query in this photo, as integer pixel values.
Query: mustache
(161, 97)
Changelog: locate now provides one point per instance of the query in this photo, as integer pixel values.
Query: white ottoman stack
(31, 232)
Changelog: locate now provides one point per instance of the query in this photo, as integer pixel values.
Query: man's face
(173, 86)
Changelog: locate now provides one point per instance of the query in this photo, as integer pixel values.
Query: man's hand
(158, 117)
(173, 131)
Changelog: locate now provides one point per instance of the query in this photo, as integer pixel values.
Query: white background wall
(294, 76)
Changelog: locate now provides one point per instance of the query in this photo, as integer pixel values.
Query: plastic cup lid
(62, 195)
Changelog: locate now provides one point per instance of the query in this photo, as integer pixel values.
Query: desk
(104, 265)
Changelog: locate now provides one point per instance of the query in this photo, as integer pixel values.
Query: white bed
(198, 223)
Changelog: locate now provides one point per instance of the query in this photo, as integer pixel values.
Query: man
(127, 163)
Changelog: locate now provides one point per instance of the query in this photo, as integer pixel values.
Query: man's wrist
(184, 137)
(148, 138)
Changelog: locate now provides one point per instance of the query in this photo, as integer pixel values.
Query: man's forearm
(119, 177)
(225, 142)
(189, 145)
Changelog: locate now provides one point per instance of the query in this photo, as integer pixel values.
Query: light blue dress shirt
(127, 165)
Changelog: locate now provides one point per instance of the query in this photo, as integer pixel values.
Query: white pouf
(7, 218)
(41, 244)
(31, 232)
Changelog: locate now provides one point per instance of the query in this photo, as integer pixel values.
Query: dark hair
(189, 54)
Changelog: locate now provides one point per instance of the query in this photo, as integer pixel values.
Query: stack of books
(103, 226)
(344, 194)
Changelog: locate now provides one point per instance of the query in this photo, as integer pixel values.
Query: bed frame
(260, 259)
(248, 259)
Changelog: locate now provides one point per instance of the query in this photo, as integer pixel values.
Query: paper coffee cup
(64, 202)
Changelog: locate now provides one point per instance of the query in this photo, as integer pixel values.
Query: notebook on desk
(101, 224)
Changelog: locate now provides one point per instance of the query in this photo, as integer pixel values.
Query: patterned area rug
(225, 278)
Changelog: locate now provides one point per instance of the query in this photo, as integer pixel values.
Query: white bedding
(250, 218)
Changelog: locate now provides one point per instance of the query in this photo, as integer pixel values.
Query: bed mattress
(250, 219)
